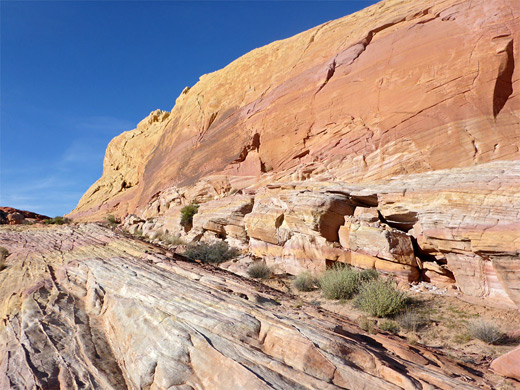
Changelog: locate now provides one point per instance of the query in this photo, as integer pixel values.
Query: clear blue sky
(75, 74)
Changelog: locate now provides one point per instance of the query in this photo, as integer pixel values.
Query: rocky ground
(85, 307)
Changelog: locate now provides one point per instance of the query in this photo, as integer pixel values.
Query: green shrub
(211, 253)
(305, 282)
(112, 221)
(389, 326)
(381, 298)
(366, 324)
(187, 213)
(170, 239)
(258, 270)
(56, 221)
(340, 282)
(411, 321)
(368, 274)
(485, 331)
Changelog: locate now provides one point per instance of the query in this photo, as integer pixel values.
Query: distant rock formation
(12, 216)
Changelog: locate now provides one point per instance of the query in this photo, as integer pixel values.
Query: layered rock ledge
(455, 227)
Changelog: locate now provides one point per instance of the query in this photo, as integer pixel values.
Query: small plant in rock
(187, 213)
(217, 252)
(3, 253)
(112, 221)
(485, 331)
(381, 298)
(305, 281)
(411, 321)
(173, 240)
(367, 324)
(368, 274)
(56, 221)
(339, 282)
(259, 270)
(389, 326)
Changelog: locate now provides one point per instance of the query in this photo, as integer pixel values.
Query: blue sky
(75, 74)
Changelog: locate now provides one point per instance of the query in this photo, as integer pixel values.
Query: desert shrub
(367, 324)
(368, 274)
(305, 281)
(411, 321)
(217, 252)
(187, 213)
(339, 282)
(56, 221)
(485, 331)
(112, 221)
(258, 270)
(389, 326)
(381, 298)
(171, 239)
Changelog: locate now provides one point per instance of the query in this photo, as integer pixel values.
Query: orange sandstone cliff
(388, 139)
(400, 87)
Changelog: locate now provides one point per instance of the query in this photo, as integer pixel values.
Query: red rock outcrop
(12, 216)
(83, 307)
(508, 364)
(400, 87)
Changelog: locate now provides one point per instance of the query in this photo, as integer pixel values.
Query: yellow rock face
(400, 87)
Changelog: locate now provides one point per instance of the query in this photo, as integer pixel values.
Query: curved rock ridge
(84, 307)
(400, 87)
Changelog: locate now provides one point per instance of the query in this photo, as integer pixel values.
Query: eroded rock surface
(83, 307)
(455, 227)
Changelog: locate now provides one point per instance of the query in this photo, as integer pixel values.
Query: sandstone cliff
(400, 87)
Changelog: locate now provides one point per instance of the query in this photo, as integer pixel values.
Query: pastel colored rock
(304, 224)
(400, 271)
(468, 217)
(84, 304)
(508, 364)
(366, 214)
(397, 88)
(382, 242)
(225, 217)
(362, 261)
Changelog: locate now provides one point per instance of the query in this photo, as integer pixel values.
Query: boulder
(380, 241)
(508, 364)
(302, 222)
(15, 218)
